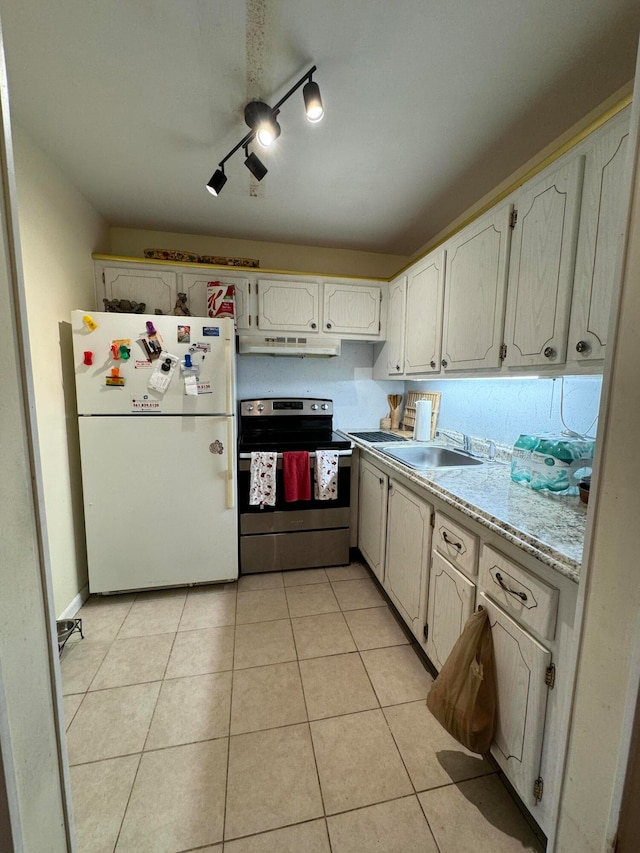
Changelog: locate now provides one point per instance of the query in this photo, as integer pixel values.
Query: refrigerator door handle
(228, 369)
(230, 466)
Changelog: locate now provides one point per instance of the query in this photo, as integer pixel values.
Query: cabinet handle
(451, 541)
(381, 481)
(582, 346)
(433, 365)
(443, 362)
(549, 352)
(313, 325)
(328, 325)
(521, 595)
(398, 367)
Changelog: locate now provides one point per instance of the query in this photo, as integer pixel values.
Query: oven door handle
(312, 455)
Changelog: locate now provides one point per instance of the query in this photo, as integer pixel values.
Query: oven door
(343, 501)
(300, 534)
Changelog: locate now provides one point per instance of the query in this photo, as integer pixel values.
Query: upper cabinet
(541, 267)
(352, 309)
(423, 325)
(526, 286)
(393, 352)
(600, 240)
(474, 292)
(264, 302)
(288, 306)
(156, 288)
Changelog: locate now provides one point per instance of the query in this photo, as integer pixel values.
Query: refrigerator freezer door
(212, 343)
(159, 501)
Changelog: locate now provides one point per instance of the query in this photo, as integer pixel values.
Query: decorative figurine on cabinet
(181, 309)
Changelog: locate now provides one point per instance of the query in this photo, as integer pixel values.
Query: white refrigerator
(156, 400)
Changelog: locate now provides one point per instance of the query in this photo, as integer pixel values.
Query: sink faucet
(465, 441)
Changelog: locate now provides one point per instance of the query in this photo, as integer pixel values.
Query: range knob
(261, 408)
(314, 407)
(324, 406)
(249, 408)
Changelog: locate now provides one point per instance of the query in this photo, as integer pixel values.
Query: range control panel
(282, 406)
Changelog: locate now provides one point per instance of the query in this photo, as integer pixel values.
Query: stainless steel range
(303, 534)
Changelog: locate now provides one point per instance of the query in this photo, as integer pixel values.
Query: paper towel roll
(422, 428)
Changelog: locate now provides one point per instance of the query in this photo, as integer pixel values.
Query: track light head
(217, 181)
(261, 119)
(268, 132)
(255, 166)
(312, 101)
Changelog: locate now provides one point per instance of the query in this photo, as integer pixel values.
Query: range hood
(291, 345)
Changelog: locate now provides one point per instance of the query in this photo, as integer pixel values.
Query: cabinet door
(521, 664)
(395, 326)
(288, 306)
(156, 288)
(423, 327)
(474, 294)
(407, 561)
(372, 516)
(352, 309)
(602, 224)
(450, 604)
(195, 286)
(541, 267)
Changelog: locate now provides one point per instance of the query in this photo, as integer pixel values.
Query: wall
(131, 242)
(359, 401)
(609, 658)
(501, 409)
(59, 231)
(25, 639)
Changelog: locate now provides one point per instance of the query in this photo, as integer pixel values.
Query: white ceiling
(428, 105)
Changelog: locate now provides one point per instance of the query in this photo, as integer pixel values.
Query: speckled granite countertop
(549, 527)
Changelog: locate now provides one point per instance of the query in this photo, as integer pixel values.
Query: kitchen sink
(430, 457)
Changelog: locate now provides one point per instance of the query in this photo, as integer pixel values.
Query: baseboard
(71, 609)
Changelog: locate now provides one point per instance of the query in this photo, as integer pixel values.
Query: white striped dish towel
(262, 489)
(326, 479)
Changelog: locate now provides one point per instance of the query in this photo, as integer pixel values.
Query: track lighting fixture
(264, 127)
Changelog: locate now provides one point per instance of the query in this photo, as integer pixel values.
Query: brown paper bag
(463, 697)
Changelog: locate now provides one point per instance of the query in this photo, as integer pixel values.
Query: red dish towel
(297, 480)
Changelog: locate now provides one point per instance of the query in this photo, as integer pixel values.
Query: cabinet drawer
(525, 597)
(456, 544)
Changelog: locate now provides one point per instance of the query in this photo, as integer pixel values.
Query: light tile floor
(282, 714)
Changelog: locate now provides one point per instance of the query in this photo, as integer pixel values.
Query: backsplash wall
(502, 409)
(359, 401)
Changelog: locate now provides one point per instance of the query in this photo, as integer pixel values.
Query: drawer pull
(521, 595)
(451, 541)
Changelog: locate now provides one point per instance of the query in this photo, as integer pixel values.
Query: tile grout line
(313, 748)
(164, 674)
(233, 664)
(433, 835)
(135, 777)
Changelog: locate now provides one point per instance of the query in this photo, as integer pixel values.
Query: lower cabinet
(521, 668)
(437, 577)
(406, 577)
(450, 603)
(372, 516)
